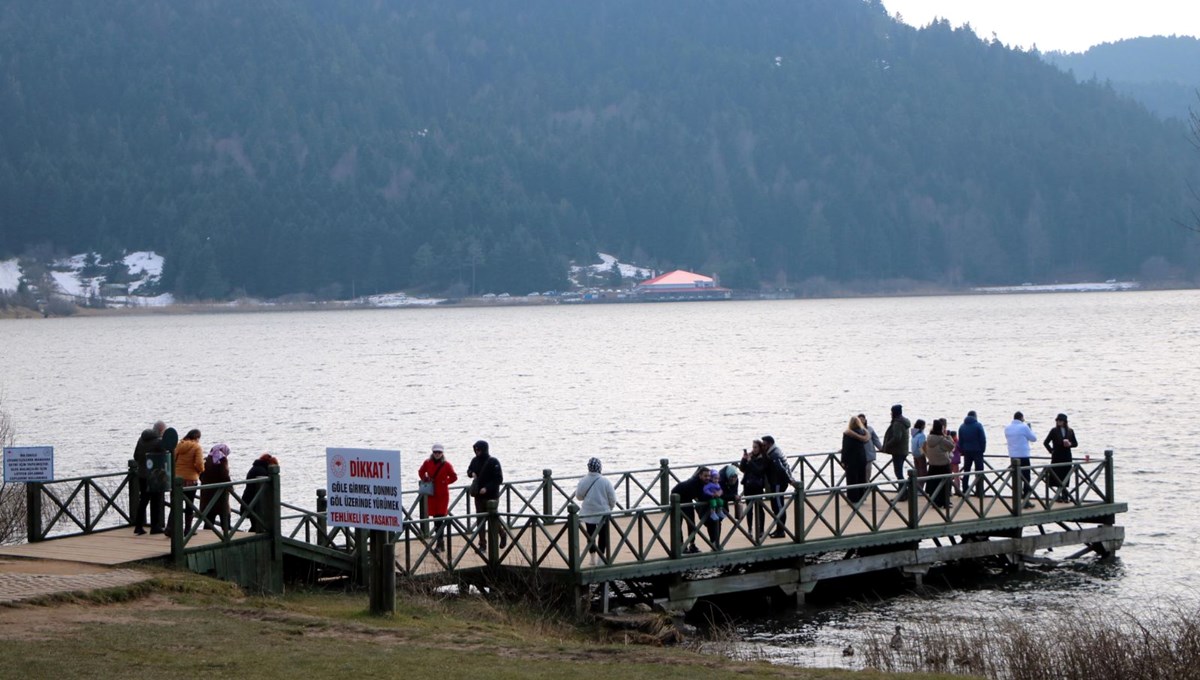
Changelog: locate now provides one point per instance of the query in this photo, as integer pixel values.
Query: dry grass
(1079, 645)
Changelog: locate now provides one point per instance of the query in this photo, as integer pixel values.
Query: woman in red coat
(438, 470)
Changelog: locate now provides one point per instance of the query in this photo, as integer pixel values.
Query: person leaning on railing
(690, 492)
(258, 469)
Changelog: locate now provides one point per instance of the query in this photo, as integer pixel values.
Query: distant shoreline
(255, 307)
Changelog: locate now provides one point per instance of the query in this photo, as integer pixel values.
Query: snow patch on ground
(10, 275)
(1061, 287)
(628, 271)
(400, 300)
(69, 283)
(144, 262)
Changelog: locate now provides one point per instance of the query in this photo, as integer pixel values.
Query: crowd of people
(951, 452)
(195, 468)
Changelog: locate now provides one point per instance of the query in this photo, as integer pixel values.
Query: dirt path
(22, 580)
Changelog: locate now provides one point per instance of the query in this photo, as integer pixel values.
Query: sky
(1057, 25)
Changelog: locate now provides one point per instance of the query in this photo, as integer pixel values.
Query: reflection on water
(550, 387)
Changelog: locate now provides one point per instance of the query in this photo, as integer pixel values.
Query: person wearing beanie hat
(438, 472)
(487, 478)
(1060, 442)
(597, 500)
(895, 440)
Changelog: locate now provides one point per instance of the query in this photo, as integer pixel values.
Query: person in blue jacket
(972, 440)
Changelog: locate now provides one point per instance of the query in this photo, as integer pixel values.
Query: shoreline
(257, 307)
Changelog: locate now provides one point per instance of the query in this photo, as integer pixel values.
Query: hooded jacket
(971, 437)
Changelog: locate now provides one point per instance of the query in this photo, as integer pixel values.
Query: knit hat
(897, 409)
(593, 465)
(971, 414)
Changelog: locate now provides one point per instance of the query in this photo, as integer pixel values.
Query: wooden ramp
(109, 547)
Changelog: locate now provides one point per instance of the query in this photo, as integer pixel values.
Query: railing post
(676, 523)
(33, 511)
(275, 518)
(573, 537)
(547, 494)
(1110, 485)
(361, 556)
(322, 518)
(176, 527)
(135, 492)
(423, 513)
(493, 530)
(664, 481)
(798, 513)
(913, 492)
(87, 506)
(1014, 470)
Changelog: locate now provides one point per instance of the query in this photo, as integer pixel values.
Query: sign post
(24, 464)
(363, 491)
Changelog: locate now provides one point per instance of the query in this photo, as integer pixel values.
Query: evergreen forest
(355, 146)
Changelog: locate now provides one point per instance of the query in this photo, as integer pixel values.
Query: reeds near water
(1078, 645)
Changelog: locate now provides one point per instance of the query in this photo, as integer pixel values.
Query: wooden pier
(535, 533)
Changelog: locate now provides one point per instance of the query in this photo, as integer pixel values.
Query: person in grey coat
(597, 499)
(779, 479)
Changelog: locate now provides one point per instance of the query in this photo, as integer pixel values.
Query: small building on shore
(681, 285)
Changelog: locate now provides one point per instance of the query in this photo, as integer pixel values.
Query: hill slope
(1161, 72)
(334, 145)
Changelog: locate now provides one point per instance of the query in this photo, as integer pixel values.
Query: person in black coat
(690, 492)
(754, 482)
(1060, 442)
(149, 442)
(258, 514)
(855, 441)
(487, 479)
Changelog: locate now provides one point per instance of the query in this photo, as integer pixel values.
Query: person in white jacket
(1019, 434)
(597, 500)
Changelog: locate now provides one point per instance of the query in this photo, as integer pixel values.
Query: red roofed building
(681, 285)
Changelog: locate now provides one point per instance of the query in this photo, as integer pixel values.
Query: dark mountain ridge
(278, 147)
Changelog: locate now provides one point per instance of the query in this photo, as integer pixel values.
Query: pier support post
(493, 530)
(361, 557)
(573, 538)
(33, 512)
(322, 518)
(176, 527)
(1018, 498)
(664, 481)
(382, 585)
(135, 492)
(1110, 494)
(914, 491)
(676, 522)
(548, 494)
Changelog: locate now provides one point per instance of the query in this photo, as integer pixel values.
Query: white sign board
(363, 488)
(28, 464)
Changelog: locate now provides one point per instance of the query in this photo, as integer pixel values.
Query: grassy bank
(182, 624)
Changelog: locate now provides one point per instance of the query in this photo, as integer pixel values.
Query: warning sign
(363, 488)
(28, 464)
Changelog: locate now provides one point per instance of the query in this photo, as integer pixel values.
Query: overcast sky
(1065, 25)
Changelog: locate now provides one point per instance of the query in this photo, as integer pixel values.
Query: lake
(551, 386)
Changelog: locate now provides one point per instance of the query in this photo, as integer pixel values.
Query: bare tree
(12, 496)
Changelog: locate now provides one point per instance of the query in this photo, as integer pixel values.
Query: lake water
(551, 386)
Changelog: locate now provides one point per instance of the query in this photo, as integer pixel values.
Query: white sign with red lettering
(363, 488)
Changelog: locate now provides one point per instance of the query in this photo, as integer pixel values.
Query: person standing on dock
(938, 449)
(189, 463)
(216, 471)
(855, 442)
(487, 478)
(754, 483)
(439, 472)
(597, 500)
(779, 479)
(895, 441)
(872, 447)
(918, 454)
(149, 442)
(1019, 434)
(1060, 442)
(973, 441)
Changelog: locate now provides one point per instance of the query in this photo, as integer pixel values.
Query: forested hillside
(1161, 72)
(282, 146)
